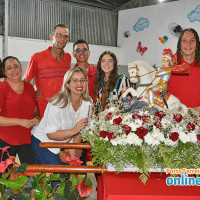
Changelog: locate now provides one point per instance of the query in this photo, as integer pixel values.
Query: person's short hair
(59, 25)
(80, 41)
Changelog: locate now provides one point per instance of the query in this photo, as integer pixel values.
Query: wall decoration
(141, 49)
(141, 24)
(163, 39)
(175, 29)
(194, 15)
(126, 34)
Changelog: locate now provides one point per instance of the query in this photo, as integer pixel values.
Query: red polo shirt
(91, 80)
(48, 73)
(186, 88)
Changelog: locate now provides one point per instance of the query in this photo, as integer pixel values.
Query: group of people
(64, 98)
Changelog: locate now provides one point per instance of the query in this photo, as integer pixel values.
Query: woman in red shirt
(18, 113)
(187, 88)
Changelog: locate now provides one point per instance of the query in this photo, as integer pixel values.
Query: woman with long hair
(18, 112)
(109, 84)
(66, 114)
(187, 88)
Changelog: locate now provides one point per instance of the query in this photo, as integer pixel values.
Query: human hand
(81, 124)
(38, 94)
(26, 123)
(35, 121)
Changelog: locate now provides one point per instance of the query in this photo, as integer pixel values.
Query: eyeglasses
(84, 50)
(59, 36)
(75, 80)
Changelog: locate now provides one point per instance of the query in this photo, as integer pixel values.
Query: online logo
(183, 179)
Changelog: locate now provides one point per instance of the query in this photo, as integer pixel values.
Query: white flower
(143, 113)
(111, 109)
(119, 140)
(165, 123)
(169, 142)
(136, 124)
(126, 119)
(132, 138)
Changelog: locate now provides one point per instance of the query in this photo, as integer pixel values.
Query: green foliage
(39, 186)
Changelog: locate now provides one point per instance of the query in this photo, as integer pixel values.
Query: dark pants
(45, 156)
(24, 152)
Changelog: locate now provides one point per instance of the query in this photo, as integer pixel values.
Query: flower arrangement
(144, 139)
(16, 183)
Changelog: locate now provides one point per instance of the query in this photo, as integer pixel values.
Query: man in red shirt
(48, 67)
(81, 53)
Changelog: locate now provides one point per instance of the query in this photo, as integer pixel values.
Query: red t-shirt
(186, 88)
(20, 106)
(48, 73)
(91, 80)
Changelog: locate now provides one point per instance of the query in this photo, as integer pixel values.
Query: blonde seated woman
(66, 114)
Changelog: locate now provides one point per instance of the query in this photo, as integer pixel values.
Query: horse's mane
(145, 64)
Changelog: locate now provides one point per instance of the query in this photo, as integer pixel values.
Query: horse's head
(133, 72)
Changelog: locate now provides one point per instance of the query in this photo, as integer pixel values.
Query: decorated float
(133, 136)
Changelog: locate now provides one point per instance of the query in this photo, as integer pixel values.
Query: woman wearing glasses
(66, 114)
(109, 84)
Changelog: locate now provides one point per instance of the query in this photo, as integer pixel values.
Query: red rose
(178, 117)
(141, 132)
(160, 114)
(158, 124)
(105, 107)
(117, 120)
(136, 116)
(144, 119)
(109, 116)
(198, 137)
(127, 129)
(103, 134)
(174, 136)
(111, 136)
(190, 126)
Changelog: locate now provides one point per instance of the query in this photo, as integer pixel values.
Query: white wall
(24, 48)
(160, 16)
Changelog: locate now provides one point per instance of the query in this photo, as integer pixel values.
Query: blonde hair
(63, 98)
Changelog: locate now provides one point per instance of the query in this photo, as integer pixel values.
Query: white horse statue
(143, 73)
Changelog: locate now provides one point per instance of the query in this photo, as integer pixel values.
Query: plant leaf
(57, 196)
(14, 184)
(67, 189)
(39, 193)
(21, 168)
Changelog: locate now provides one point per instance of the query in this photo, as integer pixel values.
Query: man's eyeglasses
(75, 80)
(59, 36)
(84, 50)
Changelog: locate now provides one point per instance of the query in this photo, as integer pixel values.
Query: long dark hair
(100, 75)
(197, 52)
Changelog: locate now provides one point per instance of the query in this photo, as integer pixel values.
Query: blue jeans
(44, 156)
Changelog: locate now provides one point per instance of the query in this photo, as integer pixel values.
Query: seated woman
(18, 112)
(66, 114)
(109, 83)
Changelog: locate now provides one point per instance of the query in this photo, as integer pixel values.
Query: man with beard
(48, 67)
